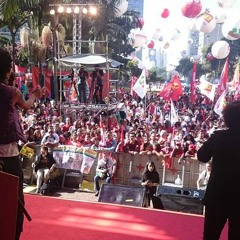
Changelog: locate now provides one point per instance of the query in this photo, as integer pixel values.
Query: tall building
(154, 57)
(193, 43)
(136, 5)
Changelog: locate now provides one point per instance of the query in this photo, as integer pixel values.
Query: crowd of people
(134, 127)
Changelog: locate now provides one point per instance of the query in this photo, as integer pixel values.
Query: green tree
(14, 24)
(157, 75)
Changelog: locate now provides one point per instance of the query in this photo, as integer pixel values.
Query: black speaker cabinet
(122, 194)
(181, 199)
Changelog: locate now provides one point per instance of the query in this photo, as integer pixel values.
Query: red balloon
(139, 23)
(192, 8)
(165, 13)
(150, 44)
(210, 57)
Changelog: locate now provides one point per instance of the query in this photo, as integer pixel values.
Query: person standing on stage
(97, 79)
(221, 197)
(10, 128)
(82, 85)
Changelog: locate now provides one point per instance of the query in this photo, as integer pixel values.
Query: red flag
(121, 139)
(223, 79)
(133, 81)
(192, 87)
(172, 90)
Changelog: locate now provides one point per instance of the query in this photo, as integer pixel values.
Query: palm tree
(8, 8)
(14, 24)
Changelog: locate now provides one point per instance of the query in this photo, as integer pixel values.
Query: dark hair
(11, 79)
(45, 148)
(146, 171)
(6, 63)
(231, 115)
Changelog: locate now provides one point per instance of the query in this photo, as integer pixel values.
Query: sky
(153, 20)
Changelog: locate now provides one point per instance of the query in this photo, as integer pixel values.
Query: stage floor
(60, 219)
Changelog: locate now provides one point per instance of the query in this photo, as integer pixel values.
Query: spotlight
(69, 10)
(60, 9)
(76, 10)
(84, 10)
(93, 10)
(52, 12)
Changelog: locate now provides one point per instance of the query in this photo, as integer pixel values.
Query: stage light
(69, 10)
(76, 10)
(84, 10)
(60, 9)
(52, 12)
(93, 10)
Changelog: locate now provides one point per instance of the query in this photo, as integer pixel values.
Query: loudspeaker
(122, 194)
(181, 200)
(9, 205)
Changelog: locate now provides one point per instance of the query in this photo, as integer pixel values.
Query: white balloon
(231, 28)
(176, 34)
(139, 40)
(220, 18)
(196, 57)
(226, 3)
(205, 22)
(166, 45)
(122, 8)
(190, 41)
(157, 34)
(220, 49)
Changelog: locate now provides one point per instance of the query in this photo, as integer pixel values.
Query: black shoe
(96, 194)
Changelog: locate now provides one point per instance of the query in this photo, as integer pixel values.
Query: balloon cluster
(206, 22)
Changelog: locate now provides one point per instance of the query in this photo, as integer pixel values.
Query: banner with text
(72, 157)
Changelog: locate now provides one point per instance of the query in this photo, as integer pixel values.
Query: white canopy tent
(88, 59)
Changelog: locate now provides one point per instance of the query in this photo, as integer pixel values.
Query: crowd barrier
(130, 168)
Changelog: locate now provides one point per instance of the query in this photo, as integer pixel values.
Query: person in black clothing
(97, 80)
(221, 197)
(44, 165)
(150, 180)
(82, 85)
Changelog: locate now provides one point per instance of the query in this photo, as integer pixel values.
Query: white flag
(206, 88)
(174, 115)
(140, 87)
(220, 104)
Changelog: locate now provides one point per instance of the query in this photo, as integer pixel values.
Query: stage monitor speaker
(8, 206)
(122, 194)
(181, 199)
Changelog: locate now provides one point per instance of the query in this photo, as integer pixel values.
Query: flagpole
(145, 102)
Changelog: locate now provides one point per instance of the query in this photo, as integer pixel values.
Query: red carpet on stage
(55, 218)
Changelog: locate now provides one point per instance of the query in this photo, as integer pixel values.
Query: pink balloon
(165, 13)
(150, 44)
(191, 8)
